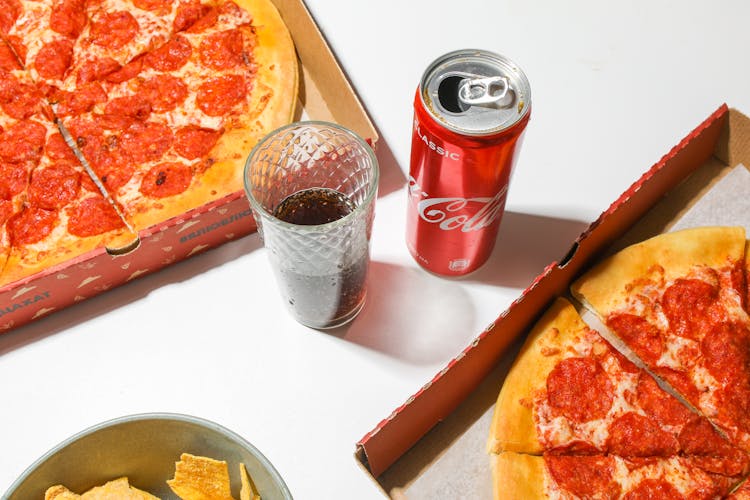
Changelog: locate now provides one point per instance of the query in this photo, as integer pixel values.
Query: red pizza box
(325, 94)
(433, 446)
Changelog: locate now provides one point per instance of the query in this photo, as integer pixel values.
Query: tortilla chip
(118, 489)
(200, 478)
(248, 491)
(59, 492)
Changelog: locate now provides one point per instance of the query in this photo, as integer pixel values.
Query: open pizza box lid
(434, 445)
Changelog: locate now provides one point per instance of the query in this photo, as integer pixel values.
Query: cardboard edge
(394, 435)
(322, 66)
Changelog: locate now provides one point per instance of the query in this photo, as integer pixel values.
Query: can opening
(448, 94)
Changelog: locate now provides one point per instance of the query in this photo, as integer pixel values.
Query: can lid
(475, 92)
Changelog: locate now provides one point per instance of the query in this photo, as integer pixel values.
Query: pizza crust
(609, 284)
(63, 247)
(518, 476)
(513, 426)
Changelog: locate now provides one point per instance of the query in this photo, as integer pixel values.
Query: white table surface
(614, 87)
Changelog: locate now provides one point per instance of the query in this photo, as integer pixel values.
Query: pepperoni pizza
(116, 115)
(576, 418)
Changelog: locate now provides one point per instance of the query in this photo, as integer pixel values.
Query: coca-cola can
(470, 112)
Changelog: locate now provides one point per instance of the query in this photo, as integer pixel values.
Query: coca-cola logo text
(466, 214)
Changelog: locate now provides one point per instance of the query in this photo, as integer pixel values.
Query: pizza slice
(676, 300)
(571, 392)
(603, 477)
(175, 136)
(51, 211)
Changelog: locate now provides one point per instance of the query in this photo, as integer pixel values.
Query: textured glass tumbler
(305, 169)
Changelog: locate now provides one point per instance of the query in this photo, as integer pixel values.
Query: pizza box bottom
(433, 446)
(324, 94)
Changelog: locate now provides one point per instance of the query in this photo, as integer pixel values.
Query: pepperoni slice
(93, 216)
(146, 141)
(650, 489)
(68, 17)
(115, 175)
(133, 106)
(584, 476)
(633, 435)
(163, 92)
(13, 179)
(53, 59)
(699, 439)
(54, 187)
(113, 29)
(6, 210)
(80, 101)
(739, 282)
(726, 350)
(644, 338)
(110, 162)
(115, 122)
(171, 56)
(680, 381)
(222, 50)
(127, 72)
(103, 153)
(58, 149)
(17, 99)
(188, 13)
(230, 9)
(579, 389)
(687, 304)
(195, 142)
(23, 142)
(217, 96)
(96, 69)
(17, 45)
(89, 138)
(166, 179)
(209, 18)
(9, 12)
(8, 60)
(158, 6)
(734, 406)
(31, 225)
(660, 404)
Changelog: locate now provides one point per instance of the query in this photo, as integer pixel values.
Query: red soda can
(470, 111)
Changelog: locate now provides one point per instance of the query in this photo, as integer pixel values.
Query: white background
(614, 86)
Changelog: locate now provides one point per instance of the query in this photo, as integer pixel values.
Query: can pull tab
(483, 91)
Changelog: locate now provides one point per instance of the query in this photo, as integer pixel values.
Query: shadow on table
(410, 315)
(392, 177)
(525, 245)
(126, 294)
(421, 318)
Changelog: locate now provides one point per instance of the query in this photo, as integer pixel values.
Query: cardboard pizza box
(324, 94)
(434, 445)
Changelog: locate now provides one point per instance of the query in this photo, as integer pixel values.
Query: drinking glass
(312, 189)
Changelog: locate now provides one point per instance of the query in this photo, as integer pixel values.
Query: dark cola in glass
(327, 296)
